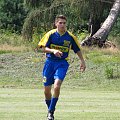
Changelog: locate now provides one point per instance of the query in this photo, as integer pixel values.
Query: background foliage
(35, 17)
(12, 15)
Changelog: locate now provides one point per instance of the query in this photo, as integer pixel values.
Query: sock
(53, 104)
(48, 102)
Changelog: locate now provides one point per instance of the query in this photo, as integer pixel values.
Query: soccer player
(57, 44)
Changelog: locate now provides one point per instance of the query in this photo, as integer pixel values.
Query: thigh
(61, 71)
(48, 73)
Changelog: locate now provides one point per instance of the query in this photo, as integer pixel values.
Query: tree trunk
(99, 38)
(96, 14)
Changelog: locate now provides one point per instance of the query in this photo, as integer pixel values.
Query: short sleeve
(75, 44)
(44, 41)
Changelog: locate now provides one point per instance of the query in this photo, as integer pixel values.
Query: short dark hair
(61, 17)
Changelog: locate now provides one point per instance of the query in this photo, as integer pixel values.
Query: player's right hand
(58, 53)
(36, 50)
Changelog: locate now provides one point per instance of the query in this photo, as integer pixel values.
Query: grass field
(28, 104)
(92, 95)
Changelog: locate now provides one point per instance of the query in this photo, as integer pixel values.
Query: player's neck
(61, 32)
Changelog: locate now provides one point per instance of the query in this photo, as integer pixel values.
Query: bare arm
(57, 53)
(82, 64)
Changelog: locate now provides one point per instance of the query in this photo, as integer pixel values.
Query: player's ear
(55, 23)
(54, 26)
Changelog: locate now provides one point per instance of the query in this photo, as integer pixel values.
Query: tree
(12, 15)
(101, 35)
(97, 15)
(38, 3)
(43, 16)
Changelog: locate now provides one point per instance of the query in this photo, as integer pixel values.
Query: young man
(57, 44)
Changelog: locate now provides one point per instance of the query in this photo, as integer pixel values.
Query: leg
(56, 94)
(47, 92)
(61, 69)
(57, 86)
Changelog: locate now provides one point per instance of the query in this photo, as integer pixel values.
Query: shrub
(109, 72)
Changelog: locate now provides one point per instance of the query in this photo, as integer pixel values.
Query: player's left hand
(82, 66)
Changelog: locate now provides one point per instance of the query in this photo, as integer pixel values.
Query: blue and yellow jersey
(64, 43)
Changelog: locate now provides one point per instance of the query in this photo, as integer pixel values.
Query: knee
(47, 93)
(57, 87)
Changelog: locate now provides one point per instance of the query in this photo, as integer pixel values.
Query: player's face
(61, 25)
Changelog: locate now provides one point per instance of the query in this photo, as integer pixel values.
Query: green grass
(28, 104)
(23, 70)
(85, 96)
(4, 51)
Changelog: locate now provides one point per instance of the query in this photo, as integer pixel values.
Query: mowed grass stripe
(92, 101)
(28, 104)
